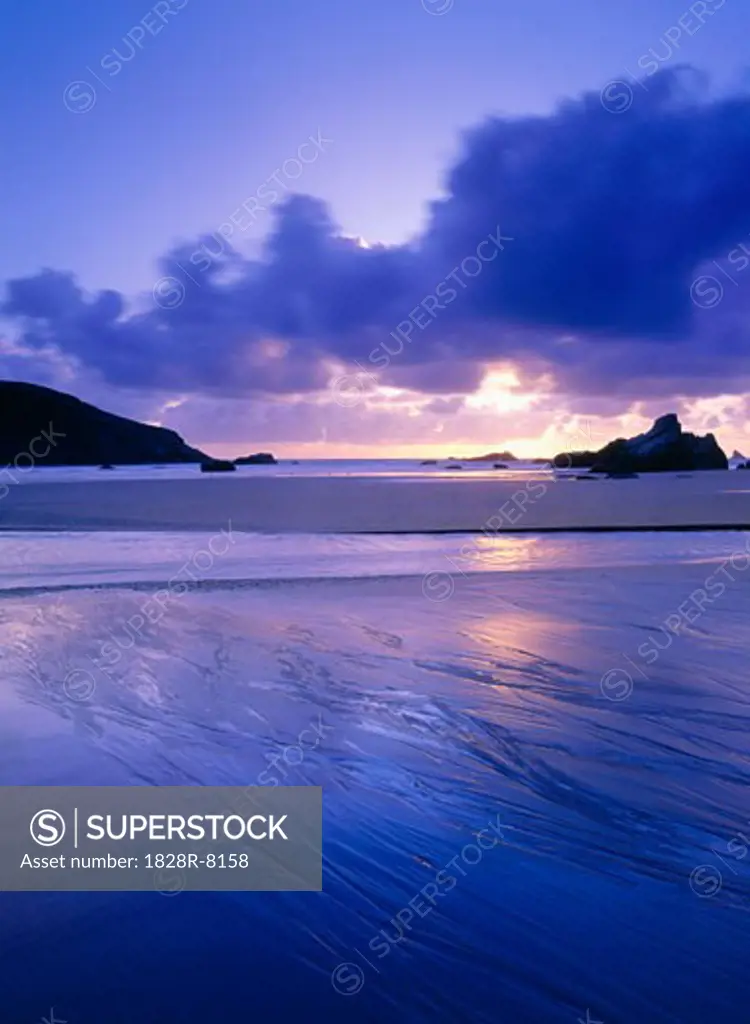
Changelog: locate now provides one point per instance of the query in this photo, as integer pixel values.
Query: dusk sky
(245, 221)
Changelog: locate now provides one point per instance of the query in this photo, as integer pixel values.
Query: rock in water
(493, 457)
(258, 459)
(218, 466)
(665, 448)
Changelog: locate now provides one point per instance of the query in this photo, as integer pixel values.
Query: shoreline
(469, 532)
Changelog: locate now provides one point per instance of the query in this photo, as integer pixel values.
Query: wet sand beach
(577, 807)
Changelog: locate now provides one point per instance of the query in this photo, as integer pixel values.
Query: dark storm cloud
(605, 219)
(610, 213)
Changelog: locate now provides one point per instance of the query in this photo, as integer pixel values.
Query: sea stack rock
(665, 448)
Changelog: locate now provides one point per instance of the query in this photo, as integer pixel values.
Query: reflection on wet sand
(436, 719)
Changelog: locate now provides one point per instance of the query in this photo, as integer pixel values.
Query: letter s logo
(47, 828)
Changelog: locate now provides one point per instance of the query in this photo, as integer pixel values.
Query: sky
(409, 227)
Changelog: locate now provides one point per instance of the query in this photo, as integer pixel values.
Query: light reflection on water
(63, 559)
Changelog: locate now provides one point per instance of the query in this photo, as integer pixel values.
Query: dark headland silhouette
(71, 432)
(78, 434)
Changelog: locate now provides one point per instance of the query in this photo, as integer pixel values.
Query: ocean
(414, 468)
(535, 781)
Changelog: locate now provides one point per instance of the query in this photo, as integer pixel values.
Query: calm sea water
(307, 467)
(284, 467)
(458, 686)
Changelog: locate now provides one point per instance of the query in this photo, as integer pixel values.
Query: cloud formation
(566, 244)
